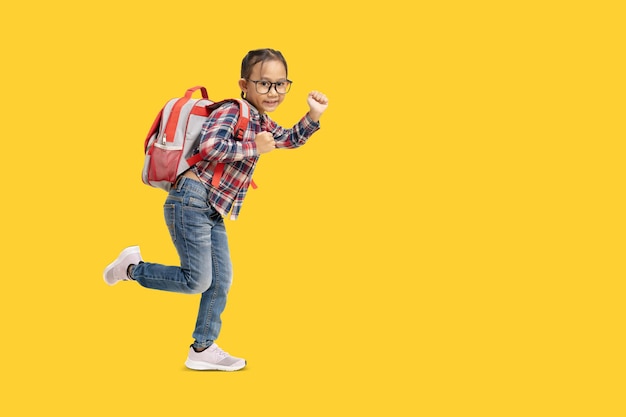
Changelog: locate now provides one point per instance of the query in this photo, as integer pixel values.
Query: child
(194, 208)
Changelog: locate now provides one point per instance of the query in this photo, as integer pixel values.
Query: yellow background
(449, 244)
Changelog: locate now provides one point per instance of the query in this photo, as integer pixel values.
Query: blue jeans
(199, 234)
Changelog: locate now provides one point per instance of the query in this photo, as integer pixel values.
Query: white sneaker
(213, 358)
(117, 270)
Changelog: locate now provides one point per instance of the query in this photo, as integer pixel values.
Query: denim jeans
(199, 234)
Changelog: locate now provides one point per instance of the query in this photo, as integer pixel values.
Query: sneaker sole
(204, 366)
(128, 251)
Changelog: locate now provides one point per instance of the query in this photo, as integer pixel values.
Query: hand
(264, 142)
(318, 103)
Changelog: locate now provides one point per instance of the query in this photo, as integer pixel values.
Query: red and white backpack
(175, 136)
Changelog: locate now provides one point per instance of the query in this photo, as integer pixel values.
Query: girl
(194, 208)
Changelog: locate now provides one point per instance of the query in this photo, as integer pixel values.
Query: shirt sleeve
(294, 137)
(217, 139)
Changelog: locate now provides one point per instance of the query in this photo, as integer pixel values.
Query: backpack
(172, 144)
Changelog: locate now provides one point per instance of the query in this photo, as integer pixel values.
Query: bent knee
(198, 286)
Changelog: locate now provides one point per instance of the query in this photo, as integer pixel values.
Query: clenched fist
(318, 103)
(264, 142)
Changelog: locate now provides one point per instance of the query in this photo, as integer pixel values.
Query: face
(270, 71)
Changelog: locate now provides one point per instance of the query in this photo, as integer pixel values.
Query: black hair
(259, 55)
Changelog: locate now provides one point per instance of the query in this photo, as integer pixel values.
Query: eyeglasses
(264, 87)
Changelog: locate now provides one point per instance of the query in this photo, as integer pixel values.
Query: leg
(213, 300)
(190, 221)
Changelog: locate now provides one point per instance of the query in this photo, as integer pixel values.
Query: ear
(243, 85)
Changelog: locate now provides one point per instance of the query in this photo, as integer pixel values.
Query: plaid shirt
(240, 157)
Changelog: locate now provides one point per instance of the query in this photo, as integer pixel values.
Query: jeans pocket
(198, 203)
(169, 211)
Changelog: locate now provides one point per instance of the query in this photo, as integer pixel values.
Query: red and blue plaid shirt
(240, 157)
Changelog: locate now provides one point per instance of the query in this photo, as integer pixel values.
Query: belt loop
(179, 183)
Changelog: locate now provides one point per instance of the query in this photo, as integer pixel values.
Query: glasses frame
(275, 85)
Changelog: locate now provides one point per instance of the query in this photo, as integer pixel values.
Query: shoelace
(220, 352)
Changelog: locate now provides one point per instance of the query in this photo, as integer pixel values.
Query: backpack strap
(240, 129)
